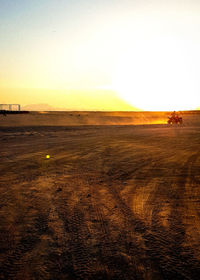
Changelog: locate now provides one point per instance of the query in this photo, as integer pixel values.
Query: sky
(101, 55)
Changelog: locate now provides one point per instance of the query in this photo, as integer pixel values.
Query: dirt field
(112, 202)
(89, 118)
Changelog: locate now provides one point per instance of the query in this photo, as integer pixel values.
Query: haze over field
(101, 55)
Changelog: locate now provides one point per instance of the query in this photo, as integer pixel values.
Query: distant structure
(10, 107)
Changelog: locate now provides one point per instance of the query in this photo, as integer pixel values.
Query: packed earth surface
(100, 201)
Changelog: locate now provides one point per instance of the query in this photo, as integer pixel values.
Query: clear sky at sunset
(101, 55)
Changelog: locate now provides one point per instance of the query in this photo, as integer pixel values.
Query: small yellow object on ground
(47, 156)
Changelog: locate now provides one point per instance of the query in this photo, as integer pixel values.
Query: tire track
(75, 224)
(108, 248)
(158, 241)
(15, 261)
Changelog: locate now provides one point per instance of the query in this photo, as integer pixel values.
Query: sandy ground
(93, 118)
(112, 202)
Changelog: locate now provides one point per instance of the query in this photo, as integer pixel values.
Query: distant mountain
(41, 107)
(66, 100)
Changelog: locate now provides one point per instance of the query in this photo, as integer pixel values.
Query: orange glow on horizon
(139, 54)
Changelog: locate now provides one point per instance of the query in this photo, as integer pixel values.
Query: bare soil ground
(86, 118)
(112, 202)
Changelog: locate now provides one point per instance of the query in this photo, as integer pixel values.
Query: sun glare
(159, 74)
